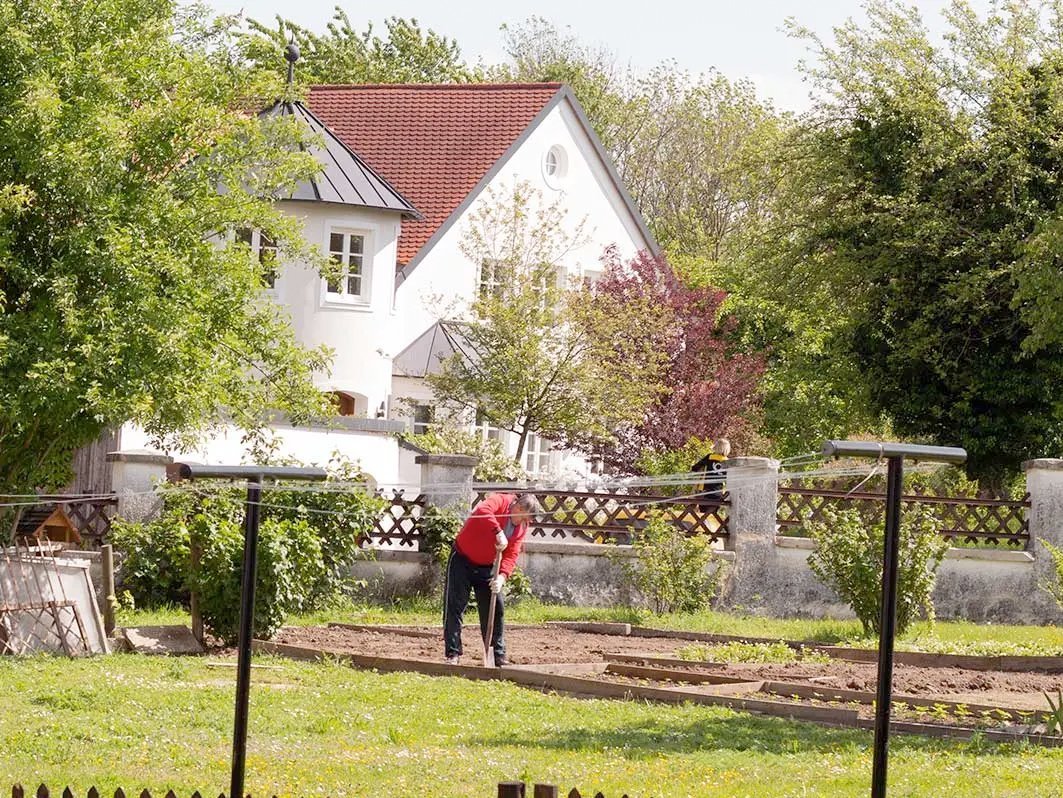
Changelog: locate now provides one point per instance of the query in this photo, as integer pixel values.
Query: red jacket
(476, 540)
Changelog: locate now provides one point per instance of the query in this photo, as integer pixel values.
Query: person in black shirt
(714, 466)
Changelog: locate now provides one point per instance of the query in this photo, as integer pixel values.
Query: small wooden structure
(48, 522)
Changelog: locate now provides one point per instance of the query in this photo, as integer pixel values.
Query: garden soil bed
(542, 645)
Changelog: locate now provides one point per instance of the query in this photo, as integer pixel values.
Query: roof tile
(433, 143)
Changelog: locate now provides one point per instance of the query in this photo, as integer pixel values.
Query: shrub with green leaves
(289, 566)
(848, 560)
(674, 572)
(439, 527)
(308, 539)
(155, 555)
(1054, 585)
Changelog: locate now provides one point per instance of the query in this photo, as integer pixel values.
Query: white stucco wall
(358, 333)
(445, 277)
(376, 453)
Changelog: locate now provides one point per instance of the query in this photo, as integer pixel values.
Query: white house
(404, 167)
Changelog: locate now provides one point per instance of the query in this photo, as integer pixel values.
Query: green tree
(119, 298)
(537, 353)
(344, 54)
(917, 228)
(691, 149)
(541, 52)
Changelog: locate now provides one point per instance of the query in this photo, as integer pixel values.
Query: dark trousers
(463, 576)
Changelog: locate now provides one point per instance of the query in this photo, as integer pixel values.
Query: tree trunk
(524, 431)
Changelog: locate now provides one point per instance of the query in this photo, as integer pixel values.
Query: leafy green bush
(1054, 586)
(308, 540)
(289, 567)
(439, 527)
(675, 572)
(848, 559)
(155, 558)
(518, 586)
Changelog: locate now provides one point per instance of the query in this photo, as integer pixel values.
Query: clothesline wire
(705, 481)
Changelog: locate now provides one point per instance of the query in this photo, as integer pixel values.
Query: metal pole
(254, 475)
(887, 625)
(247, 614)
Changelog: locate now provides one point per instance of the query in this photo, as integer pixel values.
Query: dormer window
(349, 280)
(264, 252)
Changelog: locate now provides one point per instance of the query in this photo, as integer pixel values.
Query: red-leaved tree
(710, 389)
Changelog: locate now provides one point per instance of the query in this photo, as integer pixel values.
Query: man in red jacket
(499, 523)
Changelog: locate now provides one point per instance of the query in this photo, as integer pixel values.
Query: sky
(740, 38)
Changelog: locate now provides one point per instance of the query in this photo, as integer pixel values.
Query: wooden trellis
(960, 519)
(400, 523)
(612, 517)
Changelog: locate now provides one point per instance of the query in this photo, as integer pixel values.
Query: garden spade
(489, 650)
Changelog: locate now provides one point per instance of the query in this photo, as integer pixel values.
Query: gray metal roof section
(345, 179)
(564, 94)
(430, 349)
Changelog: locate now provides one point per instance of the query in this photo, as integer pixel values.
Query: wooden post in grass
(195, 552)
(511, 789)
(545, 791)
(109, 599)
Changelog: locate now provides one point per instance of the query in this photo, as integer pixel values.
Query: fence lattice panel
(961, 520)
(613, 517)
(92, 518)
(400, 523)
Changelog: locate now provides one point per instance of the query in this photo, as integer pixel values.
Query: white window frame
(421, 427)
(488, 282)
(487, 431)
(537, 452)
(257, 248)
(361, 300)
(555, 166)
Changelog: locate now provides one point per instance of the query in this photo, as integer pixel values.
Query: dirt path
(542, 645)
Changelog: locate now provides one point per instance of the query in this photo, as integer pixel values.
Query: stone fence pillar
(1044, 482)
(446, 480)
(134, 475)
(752, 483)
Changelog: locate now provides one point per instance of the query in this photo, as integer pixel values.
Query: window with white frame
(492, 281)
(263, 250)
(555, 166)
(485, 429)
(537, 454)
(350, 280)
(423, 418)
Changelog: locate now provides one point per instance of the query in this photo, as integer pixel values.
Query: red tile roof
(433, 143)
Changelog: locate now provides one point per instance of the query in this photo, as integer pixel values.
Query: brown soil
(543, 645)
(525, 645)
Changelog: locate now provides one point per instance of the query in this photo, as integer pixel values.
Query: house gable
(441, 277)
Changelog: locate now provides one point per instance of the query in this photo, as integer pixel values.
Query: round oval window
(555, 164)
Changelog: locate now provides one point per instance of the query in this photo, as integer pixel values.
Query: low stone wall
(972, 584)
(581, 574)
(978, 585)
(389, 574)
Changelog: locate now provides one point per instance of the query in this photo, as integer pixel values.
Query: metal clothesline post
(254, 476)
(894, 454)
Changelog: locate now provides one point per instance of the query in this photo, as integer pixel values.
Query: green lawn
(325, 729)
